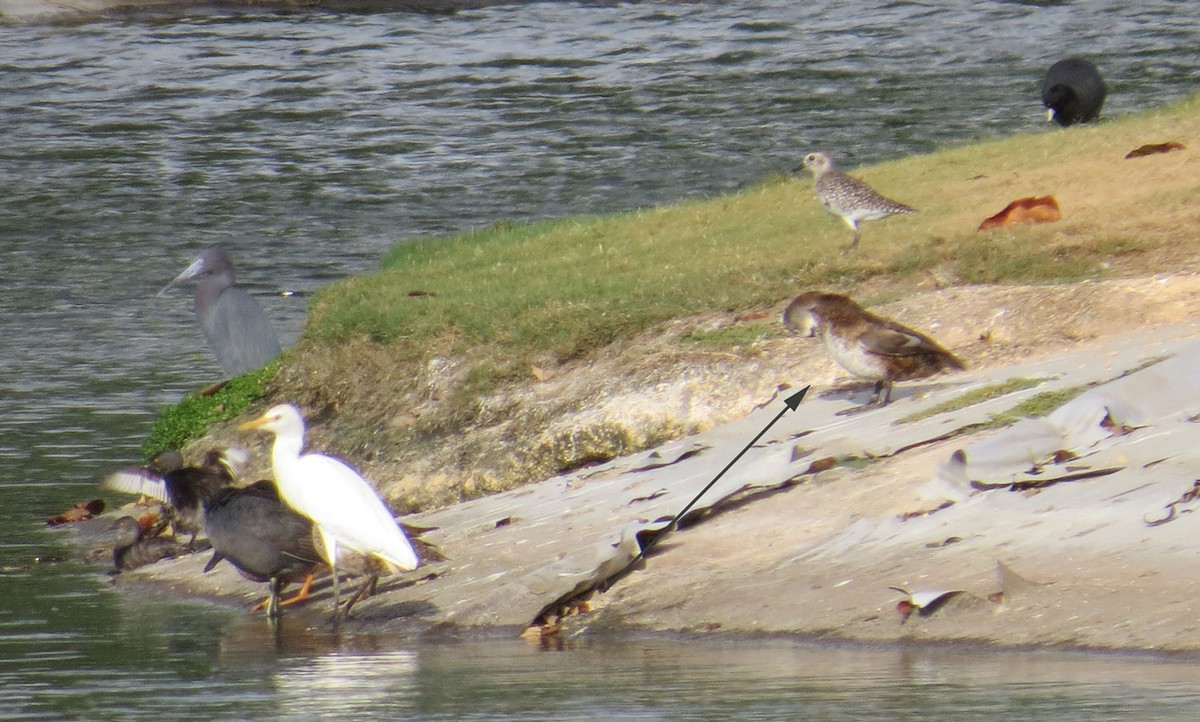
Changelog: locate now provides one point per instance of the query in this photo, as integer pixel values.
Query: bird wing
(239, 332)
(344, 505)
(137, 481)
(234, 459)
(892, 339)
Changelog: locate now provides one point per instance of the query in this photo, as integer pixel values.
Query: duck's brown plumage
(132, 549)
(866, 345)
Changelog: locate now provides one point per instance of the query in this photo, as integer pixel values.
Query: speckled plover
(848, 197)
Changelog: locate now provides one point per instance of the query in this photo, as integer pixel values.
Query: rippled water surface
(307, 143)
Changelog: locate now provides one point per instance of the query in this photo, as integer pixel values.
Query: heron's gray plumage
(238, 332)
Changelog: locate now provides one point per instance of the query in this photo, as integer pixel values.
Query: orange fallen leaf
(1035, 209)
(1153, 148)
(79, 512)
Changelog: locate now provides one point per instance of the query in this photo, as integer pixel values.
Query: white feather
(136, 481)
(235, 460)
(344, 507)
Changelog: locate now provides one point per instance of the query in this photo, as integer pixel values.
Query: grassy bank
(513, 296)
(434, 370)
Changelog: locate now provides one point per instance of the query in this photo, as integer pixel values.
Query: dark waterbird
(264, 539)
(1073, 92)
(234, 324)
(185, 488)
(132, 549)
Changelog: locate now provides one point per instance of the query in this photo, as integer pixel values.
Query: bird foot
(366, 590)
(303, 593)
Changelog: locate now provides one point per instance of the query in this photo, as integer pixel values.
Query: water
(307, 143)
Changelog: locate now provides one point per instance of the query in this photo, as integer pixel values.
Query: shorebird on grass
(847, 197)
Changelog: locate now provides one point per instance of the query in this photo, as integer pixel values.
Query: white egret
(346, 510)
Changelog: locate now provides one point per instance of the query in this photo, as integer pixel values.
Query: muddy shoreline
(810, 534)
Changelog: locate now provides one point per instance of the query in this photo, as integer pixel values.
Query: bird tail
(398, 561)
(398, 554)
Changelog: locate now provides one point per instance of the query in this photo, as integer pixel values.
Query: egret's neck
(284, 455)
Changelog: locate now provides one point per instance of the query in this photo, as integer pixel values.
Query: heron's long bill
(190, 272)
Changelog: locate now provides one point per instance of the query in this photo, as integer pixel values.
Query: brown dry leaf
(1064, 455)
(823, 464)
(147, 523)
(754, 316)
(79, 512)
(1034, 209)
(1154, 148)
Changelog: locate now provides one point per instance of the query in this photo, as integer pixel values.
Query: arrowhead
(794, 400)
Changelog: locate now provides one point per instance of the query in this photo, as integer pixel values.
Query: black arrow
(790, 404)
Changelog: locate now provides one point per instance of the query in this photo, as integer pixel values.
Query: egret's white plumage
(345, 509)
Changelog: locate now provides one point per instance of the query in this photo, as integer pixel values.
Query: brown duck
(867, 345)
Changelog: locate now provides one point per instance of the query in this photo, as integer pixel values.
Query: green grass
(519, 293)
(425, 350)
(1038, 405)
(974, 397)
(734, 335)
(191, 417)
(565, 287)
(1042, 404)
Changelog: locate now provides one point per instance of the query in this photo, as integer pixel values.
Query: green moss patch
(191, 417)
(974, 397)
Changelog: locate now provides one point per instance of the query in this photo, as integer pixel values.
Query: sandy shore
(810, 531)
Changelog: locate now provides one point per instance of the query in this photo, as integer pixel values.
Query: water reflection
(347, 685)
(308, 143)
